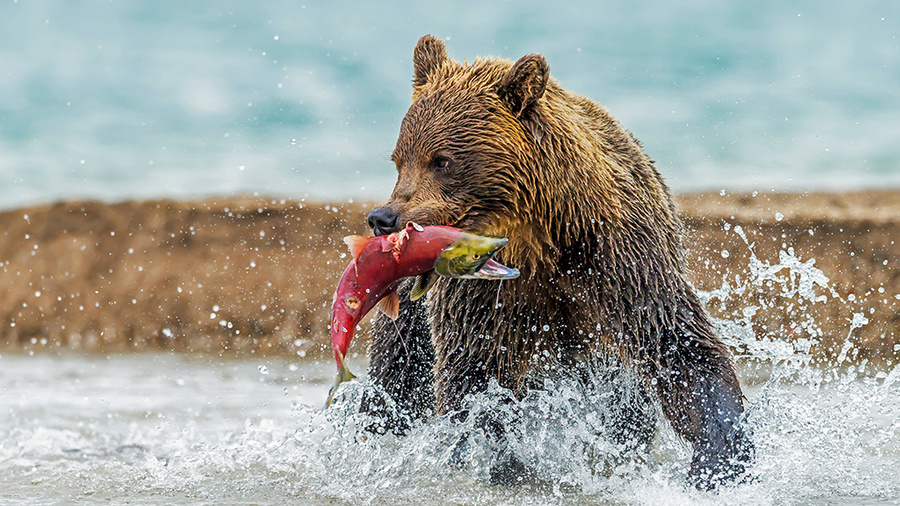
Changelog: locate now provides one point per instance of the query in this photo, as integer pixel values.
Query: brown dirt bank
(256, 275)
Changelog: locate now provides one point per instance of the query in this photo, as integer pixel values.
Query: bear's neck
(600, 187)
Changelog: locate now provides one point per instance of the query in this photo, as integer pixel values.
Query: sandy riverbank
(255, 275)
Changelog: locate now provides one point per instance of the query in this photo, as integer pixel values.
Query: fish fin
(357, 243)
(424, 282)
(390, 305)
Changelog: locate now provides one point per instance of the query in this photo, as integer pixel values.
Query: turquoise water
(118, 100)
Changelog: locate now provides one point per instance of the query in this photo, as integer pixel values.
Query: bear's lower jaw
(464, 222)
(465, 217)
(467, 223)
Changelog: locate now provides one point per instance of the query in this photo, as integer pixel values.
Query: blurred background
(142, 99)
(176, 178)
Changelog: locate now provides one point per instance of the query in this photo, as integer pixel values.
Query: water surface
(150, 429)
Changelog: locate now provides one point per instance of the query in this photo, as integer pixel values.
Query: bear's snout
(383, 221)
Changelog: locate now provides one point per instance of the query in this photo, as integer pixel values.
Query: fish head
(470, 257)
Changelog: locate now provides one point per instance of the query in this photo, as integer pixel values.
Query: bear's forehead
(457, 101)
(481, 76)
(439, 116)
(445, 105)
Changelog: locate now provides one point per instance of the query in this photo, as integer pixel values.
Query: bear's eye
(440, 163)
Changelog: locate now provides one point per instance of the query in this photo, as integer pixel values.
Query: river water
(160, 428)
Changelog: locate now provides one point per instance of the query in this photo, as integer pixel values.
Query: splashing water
(167, 428)
(825, 430)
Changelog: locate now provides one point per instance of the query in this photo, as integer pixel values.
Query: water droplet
(779, 216)
(263, 369)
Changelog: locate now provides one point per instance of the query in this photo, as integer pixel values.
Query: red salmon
(380, 262)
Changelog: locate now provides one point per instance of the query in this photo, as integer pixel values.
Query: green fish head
(468, 258)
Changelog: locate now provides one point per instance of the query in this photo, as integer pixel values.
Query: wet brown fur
(592, 227)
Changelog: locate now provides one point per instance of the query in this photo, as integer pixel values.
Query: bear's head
(468, 145)
(499, 148)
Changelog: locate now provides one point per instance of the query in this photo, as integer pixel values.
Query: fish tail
(343, 375)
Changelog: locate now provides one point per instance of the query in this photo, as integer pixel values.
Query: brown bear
(499, 148)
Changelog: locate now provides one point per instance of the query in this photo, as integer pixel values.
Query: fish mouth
(495, 270)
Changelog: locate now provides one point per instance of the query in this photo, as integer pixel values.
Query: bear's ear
(521, 88)
(427, 56)
(525, 83)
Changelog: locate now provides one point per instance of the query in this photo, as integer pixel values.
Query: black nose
(383, 221)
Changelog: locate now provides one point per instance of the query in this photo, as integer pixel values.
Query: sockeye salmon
(380, 262)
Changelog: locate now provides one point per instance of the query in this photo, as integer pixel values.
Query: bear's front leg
(701, 397)
(476, 329)
(722, 451)
(494, 424)
(401, 361)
